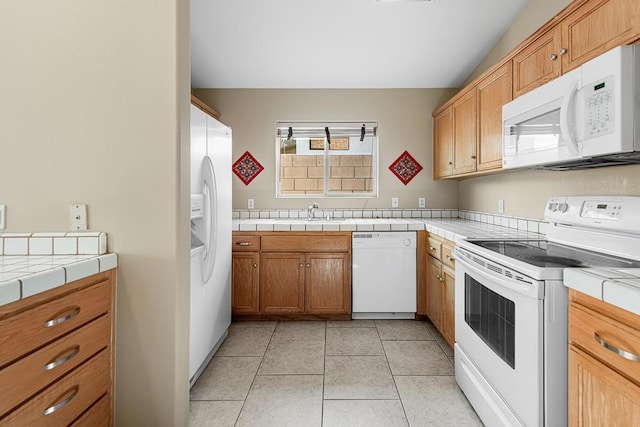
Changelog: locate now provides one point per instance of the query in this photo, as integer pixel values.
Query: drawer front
(34, 372)
(307, 243)
(434, 248)
(99, 415)
(65, 400)
(246, 243)
(594, 332)
(32, 328)
(447, 256)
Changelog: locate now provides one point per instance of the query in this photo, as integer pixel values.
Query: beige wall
(93, 110)
(525, 192)
(404, 123)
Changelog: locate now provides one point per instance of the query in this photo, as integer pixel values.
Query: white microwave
(588, 117)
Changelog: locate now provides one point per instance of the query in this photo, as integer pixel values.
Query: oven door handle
(525, 289)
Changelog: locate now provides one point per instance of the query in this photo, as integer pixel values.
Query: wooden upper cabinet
(597, 27)
(493, 92)
(538, 63)
(464, 133)
(443, 144)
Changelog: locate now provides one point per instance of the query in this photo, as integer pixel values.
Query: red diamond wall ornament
(247, 168)
(405, 167)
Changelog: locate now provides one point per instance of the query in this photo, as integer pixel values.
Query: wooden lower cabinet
(56, 353)
(448, 305)
(598, 395)
(282, 283)
(292, 273)
(328, 278)
(436, 283)
(604, 386)
(246, 282)
(434, 291)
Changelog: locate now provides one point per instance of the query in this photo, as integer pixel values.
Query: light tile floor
(369, 373)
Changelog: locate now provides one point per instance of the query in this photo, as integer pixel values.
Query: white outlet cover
(394, 202)
(78, 217)
(3, 215)
(422, 202)
(500, 206)
(250, 203)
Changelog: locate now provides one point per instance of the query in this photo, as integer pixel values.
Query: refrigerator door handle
(210, 219)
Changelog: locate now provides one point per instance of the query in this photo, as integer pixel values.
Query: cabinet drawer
(99, 415)
(447, 256)
(35, 327)
(320, 242)
(65, 400)
(434, 248)
(246, 243)
(593, 332)
(25, 377)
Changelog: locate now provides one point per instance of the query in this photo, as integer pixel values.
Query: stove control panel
(602, 210)
(615, 213)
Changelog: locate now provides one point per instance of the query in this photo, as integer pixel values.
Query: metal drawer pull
(62, 319)
(75, 350)
(51, 409)
(255, 265)
(450, 258)
(432, 248)
(616, 350)
(243, 243)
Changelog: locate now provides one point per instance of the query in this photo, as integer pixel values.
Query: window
(326, 159)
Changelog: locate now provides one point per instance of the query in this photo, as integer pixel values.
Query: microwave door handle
(565, 129)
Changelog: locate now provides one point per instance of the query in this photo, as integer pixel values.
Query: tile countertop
(616, 286)
(31, 263)
(449, 228)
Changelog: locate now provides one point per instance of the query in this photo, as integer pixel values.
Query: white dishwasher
(384, 275)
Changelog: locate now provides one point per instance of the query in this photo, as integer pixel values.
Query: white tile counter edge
(30, 284)
(620, 288)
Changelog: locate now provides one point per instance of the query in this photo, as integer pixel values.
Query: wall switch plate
(3, 217)
(422, 202)
(250, 203)
(500, 206)
(394, 202)
(78, 217)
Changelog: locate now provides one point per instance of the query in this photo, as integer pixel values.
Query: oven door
(498, 318)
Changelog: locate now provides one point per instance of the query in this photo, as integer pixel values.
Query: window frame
(371, 132)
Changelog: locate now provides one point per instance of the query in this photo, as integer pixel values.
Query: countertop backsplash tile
(54, 243)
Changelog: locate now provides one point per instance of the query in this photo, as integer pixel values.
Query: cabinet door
(245, 282)
(597, 27)
(465, 133)
(434, 291)
(493, 92)
(599, 396)
(538, 63)
(328, 284)
(443, 144)
(448, 305)
(282, 282)
(421, 289)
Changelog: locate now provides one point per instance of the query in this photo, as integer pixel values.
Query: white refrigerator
(210, 311)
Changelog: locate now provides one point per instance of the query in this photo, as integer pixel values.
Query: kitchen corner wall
(526, 192)
(404, 123)
(94, 106)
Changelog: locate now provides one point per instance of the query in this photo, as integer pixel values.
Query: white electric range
(511, 307)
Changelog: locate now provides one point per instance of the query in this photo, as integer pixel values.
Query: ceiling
(343, 43)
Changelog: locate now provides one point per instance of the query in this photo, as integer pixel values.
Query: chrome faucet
(311, 208)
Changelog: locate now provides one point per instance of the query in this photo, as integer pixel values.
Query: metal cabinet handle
(432, 248)
(553, 57)
(243, 243)
(450, 258)
(563, 51)
(301, 265)
(450, 163)
(51, 409)
(255, 265)
(308, 265)
(75, 311)
(616, 350)
(74, 351)
(473, 157)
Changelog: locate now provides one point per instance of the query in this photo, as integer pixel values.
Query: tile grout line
(256, 374)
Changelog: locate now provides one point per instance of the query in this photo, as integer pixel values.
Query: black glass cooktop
(542, 253)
